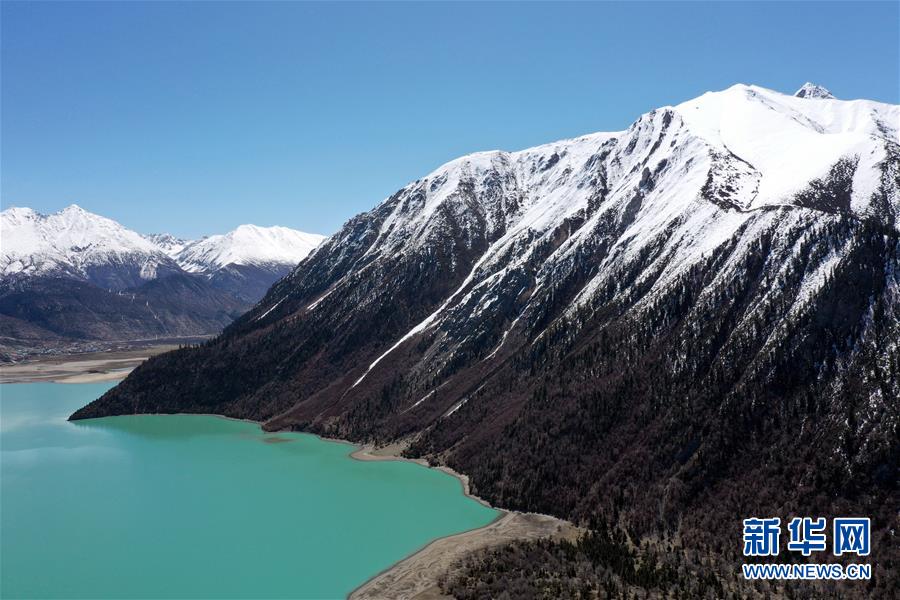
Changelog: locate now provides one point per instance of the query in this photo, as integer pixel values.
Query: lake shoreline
(418, 574)
(414, 575)
(288, 489)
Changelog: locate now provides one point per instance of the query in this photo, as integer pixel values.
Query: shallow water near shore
(192, 506)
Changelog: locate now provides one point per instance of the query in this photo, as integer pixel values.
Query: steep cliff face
(633, 324)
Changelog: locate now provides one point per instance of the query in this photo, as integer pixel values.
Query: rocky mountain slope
(76, 276)
(701, 310)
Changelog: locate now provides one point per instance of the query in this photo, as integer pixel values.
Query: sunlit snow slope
(248, 245)
(77, 243)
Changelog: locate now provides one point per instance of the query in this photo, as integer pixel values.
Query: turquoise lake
(199, 507)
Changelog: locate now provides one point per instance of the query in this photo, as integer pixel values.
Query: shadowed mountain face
(247, 283)
(700, 311)
(173, 306)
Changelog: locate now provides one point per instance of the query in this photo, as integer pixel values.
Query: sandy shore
(416, 576)
(80, 368)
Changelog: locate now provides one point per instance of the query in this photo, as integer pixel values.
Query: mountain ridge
(675, 312)
(247, 245)
(72, 237)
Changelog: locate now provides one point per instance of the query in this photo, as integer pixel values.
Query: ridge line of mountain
(606, 329)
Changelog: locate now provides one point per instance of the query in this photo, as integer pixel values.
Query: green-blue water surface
(191, 506)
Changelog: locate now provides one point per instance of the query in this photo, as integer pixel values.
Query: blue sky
(194, 118)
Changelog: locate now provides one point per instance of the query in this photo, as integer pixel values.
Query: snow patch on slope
(168, 243)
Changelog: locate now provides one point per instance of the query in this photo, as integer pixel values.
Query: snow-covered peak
(81, 244)
(18, 214)
(756, 146)
(71, 226)
(600, 221)
(168, 243)
(248, 245)
(786, 141)
(811, 90)
(70, 240)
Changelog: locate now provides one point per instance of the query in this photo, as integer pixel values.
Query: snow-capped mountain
(714, 290)
(811, 90)
(65, 275)
(76, 243)
(247, 245)
(168, 243)
(245, 262)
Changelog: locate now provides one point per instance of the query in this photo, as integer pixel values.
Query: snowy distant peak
(77, 243)
(168, 243)
(248, 245)
(70, 227)
(73, 241)
(19, 214)
(811, 90)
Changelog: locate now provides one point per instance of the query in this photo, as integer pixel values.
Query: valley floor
(83, 367)
(417, 576)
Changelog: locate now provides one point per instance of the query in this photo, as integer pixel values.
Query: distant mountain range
(701, 311)
(76, 276)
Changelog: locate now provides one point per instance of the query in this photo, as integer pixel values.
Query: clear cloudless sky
(193, 118)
